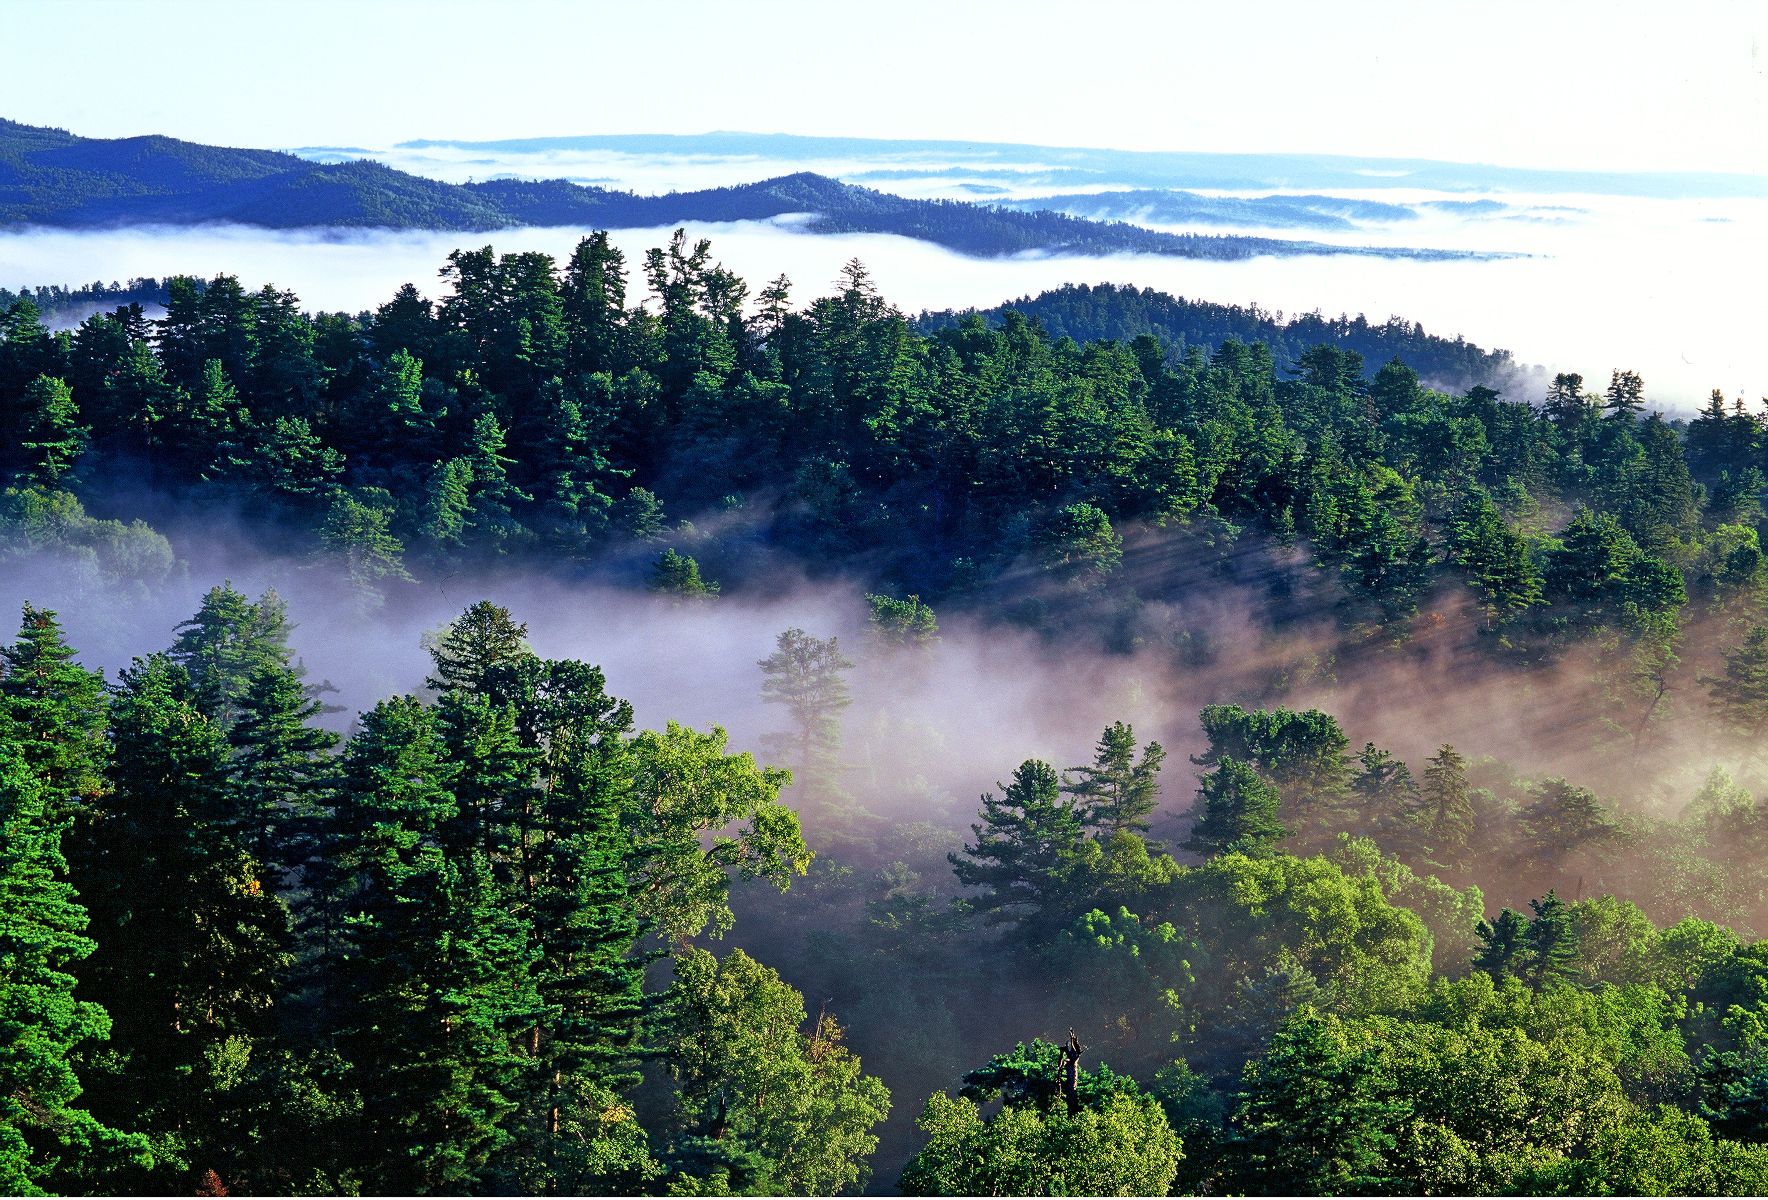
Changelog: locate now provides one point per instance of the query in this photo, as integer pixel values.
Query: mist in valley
(1663, 288)
(930, 728)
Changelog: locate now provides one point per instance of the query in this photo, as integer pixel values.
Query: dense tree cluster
(460, 951)
(1110, 312)
(438, 958)
(463, 949)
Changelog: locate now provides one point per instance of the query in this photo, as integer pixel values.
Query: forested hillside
(1108, 312)
(53, 178)
(473, 945)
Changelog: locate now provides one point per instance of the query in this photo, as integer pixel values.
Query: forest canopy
(495, 935)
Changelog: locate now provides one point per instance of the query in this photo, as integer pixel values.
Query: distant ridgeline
(1107, 312)
(51, 177)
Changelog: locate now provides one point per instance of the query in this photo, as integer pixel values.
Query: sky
(1606, 85)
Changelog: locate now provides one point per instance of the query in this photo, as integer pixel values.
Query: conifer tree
(806, 676)
(1028, 854)
(1503, 944)
(1552, 940)
(590, 978)
(1739, 698)
(54, 710)
(435, 979)
(210, 419)
(191, 949)
(1497, 561)
(1387, 795)
(1117, 794)
(282, 770)
(492, 497)
(1445, 808)
(1239, 813)
(446, 500)
(677, 576)
(481, 637)
(225, 645)
(1625, 396)
(47, 1143)
(594, 297)
(52, 438)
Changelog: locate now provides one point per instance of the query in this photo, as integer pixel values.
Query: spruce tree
(55, 710)
(435, 978)
(47, 1143)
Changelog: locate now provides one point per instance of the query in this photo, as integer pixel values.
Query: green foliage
(1123, 1147)
(1314, 1117)
(52, 436)
(192, 950)
(902, 622)
(678, 577)
(357, 530)
(701, 814)
(1029, 854)
(466, 651)
(764, 1107)
(53, 712)
(1239, 813)
(1117, 794)
(46, 1142)
(1739, 698)
(806, 676)
(1081, 545)
(435, 977)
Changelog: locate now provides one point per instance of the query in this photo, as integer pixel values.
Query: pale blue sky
(1551, 83)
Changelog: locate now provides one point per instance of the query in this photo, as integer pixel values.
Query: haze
(1577, 84)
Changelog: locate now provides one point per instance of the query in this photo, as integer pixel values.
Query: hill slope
(1107, 312)
(54, 178)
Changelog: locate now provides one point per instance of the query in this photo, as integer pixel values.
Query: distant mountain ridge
(54, 178)
(1071, 165)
